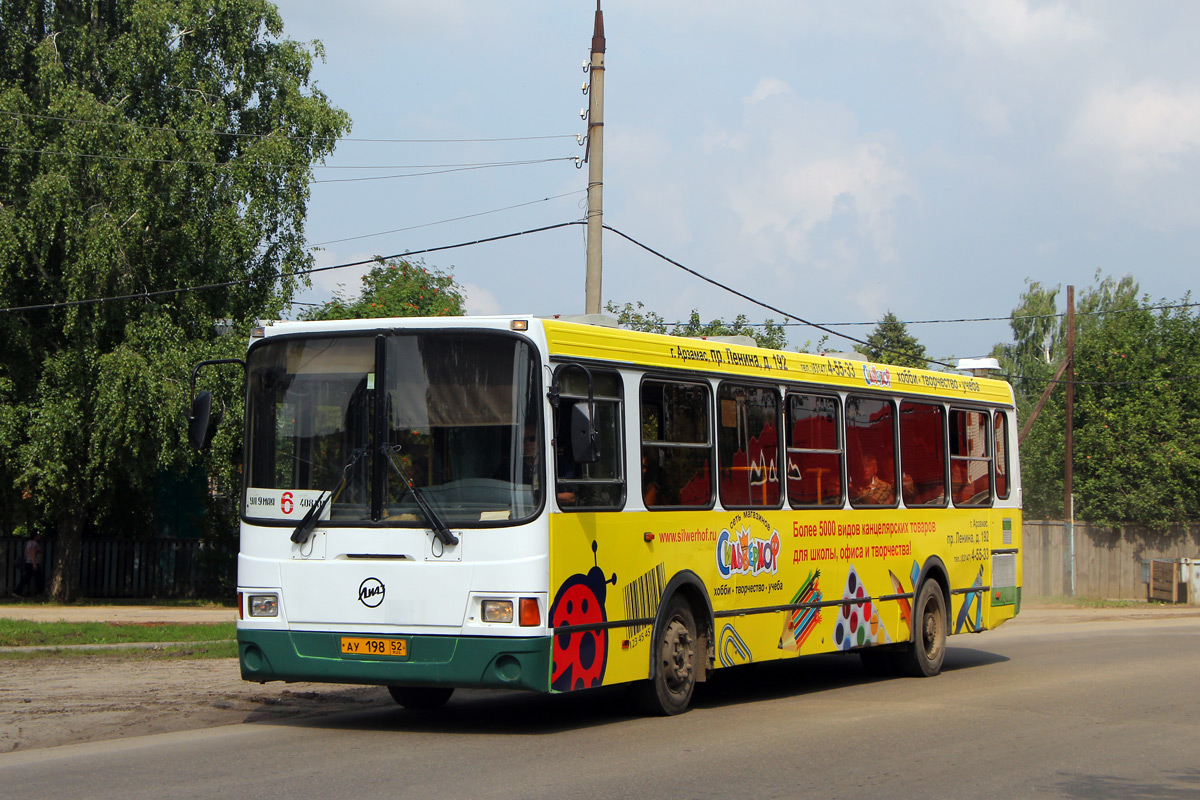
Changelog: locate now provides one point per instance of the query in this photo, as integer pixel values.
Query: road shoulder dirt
(54, 699)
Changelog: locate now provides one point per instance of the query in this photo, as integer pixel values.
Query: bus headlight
(263, 605)
(497, 611)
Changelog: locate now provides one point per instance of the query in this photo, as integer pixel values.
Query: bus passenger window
(814, 451)
(676, 445)
(871, 451)
(970, 458)
(1001, 456)
(748, 446)
(600, 484)
(923, 454)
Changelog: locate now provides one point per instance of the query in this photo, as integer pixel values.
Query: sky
(833, 160)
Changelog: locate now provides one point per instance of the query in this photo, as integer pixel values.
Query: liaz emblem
(370, 592)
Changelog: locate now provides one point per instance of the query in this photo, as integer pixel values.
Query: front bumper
(457, 661)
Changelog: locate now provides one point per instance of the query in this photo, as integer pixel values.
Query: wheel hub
(677, 655)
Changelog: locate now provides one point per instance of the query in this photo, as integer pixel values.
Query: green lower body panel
(458, 661)
(1007, 596)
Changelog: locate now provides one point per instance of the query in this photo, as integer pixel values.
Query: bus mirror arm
(444, 534)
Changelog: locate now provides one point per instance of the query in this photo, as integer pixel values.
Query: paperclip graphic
(731, 640)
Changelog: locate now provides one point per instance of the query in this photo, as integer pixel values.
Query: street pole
(595, 212)
(1069, 432)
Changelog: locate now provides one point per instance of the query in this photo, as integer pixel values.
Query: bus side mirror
(585, 442)
(201, 423)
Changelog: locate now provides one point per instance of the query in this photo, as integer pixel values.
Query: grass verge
(26, 633)
(173, 652)
(1095, 602)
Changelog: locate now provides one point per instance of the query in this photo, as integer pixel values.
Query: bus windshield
(457, 411)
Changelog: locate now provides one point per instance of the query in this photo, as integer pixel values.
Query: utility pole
(595, 159)
(1065, 370)
(1069, 432)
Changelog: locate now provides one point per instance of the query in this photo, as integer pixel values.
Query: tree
(398, 288)
(148, 145)
(769, 334)
(1039, 337)
(891, 343)
(1038, 342)
(1137, 416)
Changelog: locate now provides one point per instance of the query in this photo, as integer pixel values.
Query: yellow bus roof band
(572, 340)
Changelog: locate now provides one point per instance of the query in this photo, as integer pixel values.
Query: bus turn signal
(531, 616)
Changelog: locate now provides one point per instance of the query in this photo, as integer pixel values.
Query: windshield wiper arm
(309, 521)
(440, 530)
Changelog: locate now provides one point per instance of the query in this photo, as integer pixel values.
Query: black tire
(925, 653)
(669, 690)
(420, 698)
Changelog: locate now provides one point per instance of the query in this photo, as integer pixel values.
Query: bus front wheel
(927, 650)
(669, 690)
(420, 698)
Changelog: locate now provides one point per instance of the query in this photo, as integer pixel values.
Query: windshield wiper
(309, 521)
(435, 522)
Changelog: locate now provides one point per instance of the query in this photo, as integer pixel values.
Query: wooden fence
(1110, 563)
(145, 568)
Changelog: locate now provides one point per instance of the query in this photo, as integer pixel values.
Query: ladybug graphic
(580, 656)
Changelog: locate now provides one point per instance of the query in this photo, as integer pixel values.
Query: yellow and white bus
(542, 504)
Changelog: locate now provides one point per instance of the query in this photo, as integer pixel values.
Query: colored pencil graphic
(801, 622)
(905, 606)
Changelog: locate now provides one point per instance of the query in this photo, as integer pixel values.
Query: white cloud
(805, 162)
(994, 114)
(1143, 128)
(771, 187)
(791, 196)
(1011, 24)
(481, 302)
(766, 88)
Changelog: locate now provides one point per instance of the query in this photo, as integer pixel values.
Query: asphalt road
(1107, 709)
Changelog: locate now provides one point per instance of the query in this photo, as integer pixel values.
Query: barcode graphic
(642, 597)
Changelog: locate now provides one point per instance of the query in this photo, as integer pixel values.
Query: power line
(443, 221)
(239, 134)
(294, 273)
(246, 162)
(1180, 379)
(970, 319)
(767, 306)
(444, 171)
(377, 259)
(820, 327)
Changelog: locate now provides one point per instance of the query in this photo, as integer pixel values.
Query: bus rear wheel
(669, 691)
(420, 698)
(925, 653)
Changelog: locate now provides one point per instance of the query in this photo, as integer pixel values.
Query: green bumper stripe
(459, 661)
(1007, 596)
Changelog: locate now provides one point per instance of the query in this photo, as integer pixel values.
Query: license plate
(358, 646)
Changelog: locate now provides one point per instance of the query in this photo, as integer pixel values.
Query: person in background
(873, 490)
(32, 576)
